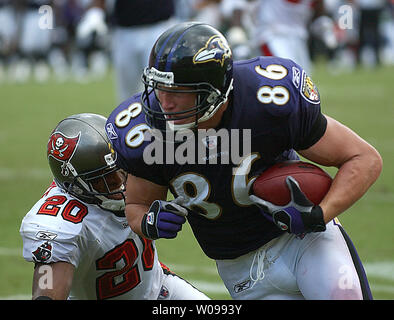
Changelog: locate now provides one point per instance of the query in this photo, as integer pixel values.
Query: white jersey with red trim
(111, 261)
(283, 17)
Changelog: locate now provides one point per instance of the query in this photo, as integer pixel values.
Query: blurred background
(63, 57)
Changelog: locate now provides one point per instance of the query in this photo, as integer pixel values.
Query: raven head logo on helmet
(214, 50)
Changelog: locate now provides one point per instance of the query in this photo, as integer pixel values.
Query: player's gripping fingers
(267, 207)
(169, 231)
(290, 220)
(175, 206)
(297, 196)
(170, 217)
(159, 223)
(170, 221)
(169, 224)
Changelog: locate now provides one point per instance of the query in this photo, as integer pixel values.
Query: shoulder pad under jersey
(126, 130)
(280, 85)
(52, 227)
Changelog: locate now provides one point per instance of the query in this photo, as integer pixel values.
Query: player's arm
(140, 193)
(358, 162)
(147, 212)
(359, 166)
(52, 280)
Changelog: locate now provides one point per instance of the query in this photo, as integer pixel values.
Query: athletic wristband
(315, 221)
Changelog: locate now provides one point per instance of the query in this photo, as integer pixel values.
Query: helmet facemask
(190, 57)
(103, 187)
(208, 100)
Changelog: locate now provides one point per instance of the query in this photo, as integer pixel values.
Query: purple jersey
(275, 109)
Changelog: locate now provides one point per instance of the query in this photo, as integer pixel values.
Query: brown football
(271, 185)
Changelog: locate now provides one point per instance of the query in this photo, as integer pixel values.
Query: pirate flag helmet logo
(62, 148)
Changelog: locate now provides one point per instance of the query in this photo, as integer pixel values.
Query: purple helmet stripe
(162, 49)
(168, 64)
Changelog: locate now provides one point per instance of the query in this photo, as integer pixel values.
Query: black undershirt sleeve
(317, 131)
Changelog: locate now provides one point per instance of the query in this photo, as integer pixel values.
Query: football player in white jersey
(77, 234)
(282, 28)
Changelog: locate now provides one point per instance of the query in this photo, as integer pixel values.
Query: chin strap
(112, 204)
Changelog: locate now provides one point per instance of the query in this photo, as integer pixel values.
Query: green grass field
(362, 100)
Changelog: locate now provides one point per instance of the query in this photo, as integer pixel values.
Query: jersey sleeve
(286, 100)
(307, 124)
(129, 135)
(49, 238)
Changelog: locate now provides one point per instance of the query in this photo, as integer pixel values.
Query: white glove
(324, 28)
(92, 21)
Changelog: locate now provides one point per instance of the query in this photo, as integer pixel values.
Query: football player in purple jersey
(178, 135)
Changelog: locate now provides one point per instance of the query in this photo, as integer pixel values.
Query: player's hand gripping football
(299, 216)
(164, 219)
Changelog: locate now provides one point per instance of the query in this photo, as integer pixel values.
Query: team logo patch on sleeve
(309, 90)
(43, 253)
(164, 293)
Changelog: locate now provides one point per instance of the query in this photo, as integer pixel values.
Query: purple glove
(299, 216)
(164, 219)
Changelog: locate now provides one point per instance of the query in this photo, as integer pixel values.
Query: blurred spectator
(92, 39)
(8, 28)
(282, 27)
(370, 38)
(33, 48)
(86, 32)
(8, 35)
(207, 11)
(387, 31)
(136, 26)
(239, 24)
(25, 42)
(35, 38)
